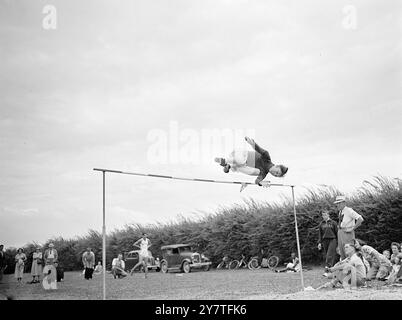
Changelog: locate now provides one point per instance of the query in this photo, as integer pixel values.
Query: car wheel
(164, 267)
(207, 267)
(186, 267)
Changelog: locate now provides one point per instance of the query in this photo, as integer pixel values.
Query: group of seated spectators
(364, 263)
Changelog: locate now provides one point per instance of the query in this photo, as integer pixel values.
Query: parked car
(180, 257)
(131, 259)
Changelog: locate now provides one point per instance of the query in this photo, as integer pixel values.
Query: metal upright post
(297, 238)
(104, 241)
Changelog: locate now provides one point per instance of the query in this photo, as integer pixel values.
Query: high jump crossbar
(188, 179)
(267, 184)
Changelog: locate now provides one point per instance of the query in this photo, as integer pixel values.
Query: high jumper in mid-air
(254, 163)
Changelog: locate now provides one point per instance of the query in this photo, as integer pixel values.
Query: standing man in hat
(349, 221)
(50, 273)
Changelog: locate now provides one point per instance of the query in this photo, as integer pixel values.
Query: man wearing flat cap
(349, 221)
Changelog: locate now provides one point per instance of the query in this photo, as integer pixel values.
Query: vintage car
(131, 259)
(180, 257)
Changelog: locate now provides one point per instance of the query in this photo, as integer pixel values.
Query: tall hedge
(252, 226)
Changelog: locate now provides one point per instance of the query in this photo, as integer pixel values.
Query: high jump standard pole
(185, 179)
(297, 237)
(104, 240)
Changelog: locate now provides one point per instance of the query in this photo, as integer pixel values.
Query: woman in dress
(20, 259)
(36, 268)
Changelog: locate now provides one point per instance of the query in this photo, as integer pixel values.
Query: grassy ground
(214, 284)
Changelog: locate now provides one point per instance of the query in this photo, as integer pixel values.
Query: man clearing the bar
(254, 163)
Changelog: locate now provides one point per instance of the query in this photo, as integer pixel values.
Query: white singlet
(144, 247)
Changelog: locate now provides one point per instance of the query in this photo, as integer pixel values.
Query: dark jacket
(262, 161)
(327, 230)
(2, 259)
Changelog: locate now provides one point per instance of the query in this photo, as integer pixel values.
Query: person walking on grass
(143, 257)
(20, 259)
(36, 268)
(254, 163)
(349, 221)
(327, 240)
(88, 260)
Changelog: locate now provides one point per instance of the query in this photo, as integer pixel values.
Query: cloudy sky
(143, 85)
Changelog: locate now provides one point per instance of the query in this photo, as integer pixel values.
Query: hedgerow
(249, 227)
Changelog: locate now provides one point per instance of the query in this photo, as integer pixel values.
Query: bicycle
(236, 264)
(224, 263)
(258, 262)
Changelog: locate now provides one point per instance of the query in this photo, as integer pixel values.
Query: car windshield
(185, 249)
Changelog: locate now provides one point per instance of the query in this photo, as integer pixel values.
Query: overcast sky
(138, 85)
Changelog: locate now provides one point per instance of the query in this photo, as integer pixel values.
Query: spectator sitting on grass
(98, 268)
(293, 265)
(380, 266)
(387, 254)
(350, 272)
(396, 266)
(118, 267)
(395, 249)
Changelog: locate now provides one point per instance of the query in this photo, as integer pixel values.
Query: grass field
(214, 284)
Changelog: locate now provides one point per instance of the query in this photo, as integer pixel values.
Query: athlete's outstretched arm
(260, 177)
(257, 148)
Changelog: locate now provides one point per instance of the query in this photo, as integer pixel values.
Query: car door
(175, 258)
(131, 260)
